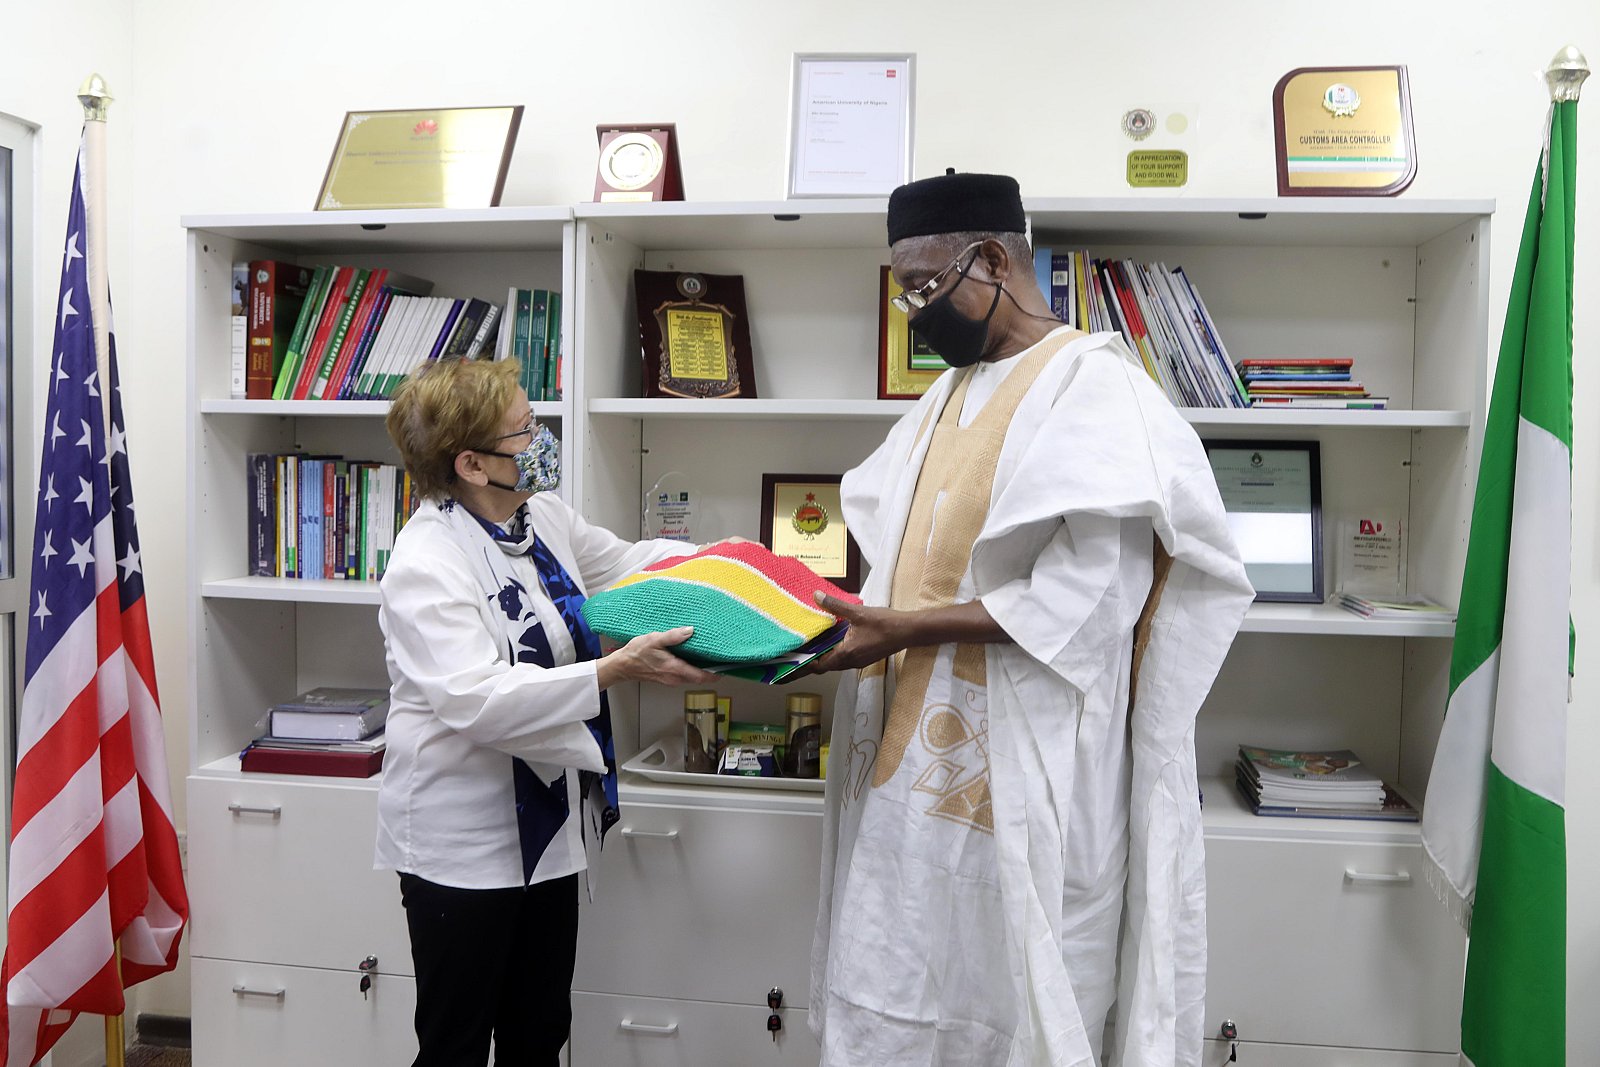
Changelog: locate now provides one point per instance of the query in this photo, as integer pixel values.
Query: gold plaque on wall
(1344, 131)
(424, 158)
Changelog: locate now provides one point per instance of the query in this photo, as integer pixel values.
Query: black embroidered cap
(956, 203)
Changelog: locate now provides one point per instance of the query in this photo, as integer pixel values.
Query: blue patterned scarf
(542, 809)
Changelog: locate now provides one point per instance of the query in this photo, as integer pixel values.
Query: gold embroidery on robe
(948, 509)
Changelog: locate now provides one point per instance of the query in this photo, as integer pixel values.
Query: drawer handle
(1355, 877)
(246, 991)
(650, 835)
(276, 811)
(645, 1028)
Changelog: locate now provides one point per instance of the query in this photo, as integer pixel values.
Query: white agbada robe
(953, 934)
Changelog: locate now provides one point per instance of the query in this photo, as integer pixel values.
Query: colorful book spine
(552, 349)
(276, 292)
(317, 347)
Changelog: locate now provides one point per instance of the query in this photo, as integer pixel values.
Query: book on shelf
(277, 291)
(330, 713)
(1396, 606)
(330, 762)
(239, 333)
(1327, 784)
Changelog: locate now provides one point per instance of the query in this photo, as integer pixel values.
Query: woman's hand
(735, 540)
(874, 634)
(648, 658)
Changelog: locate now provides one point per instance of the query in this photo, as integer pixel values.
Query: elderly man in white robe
(1012, 854)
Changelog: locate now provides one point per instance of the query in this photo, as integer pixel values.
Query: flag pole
(96, 98)
(1565, 74)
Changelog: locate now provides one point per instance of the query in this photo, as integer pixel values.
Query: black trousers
(492, 963)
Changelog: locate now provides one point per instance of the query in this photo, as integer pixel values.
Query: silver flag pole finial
(1565, 74)
(95, 97)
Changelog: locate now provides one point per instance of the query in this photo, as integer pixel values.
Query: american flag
(94, 856)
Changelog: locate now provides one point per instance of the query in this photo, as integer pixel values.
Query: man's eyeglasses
(922, 295)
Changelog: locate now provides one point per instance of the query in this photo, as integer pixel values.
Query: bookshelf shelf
(544, 409)
(657, 408)
(889, 410)
(293, 590)
(1335, 419)
(1334, 621)
(1226, 814)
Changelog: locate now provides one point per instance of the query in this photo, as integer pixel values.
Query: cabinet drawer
(705, 904)
(281, 871)
(610, 1031)
(1252, 1054)
(261, 1015)
(1330, 943)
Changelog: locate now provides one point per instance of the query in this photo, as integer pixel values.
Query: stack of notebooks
(337, 733)
(1318, 785)
(1398, 606)
(1305, 383)
(1159, 313)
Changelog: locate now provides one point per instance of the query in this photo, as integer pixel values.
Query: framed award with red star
(801, 517)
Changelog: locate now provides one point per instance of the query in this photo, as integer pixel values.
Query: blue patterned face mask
(538, 465)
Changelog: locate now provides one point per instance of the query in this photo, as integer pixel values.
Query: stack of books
(1305, 383)
(1399, 606)
(1160, 315)
(1320, 785)
(325, 731)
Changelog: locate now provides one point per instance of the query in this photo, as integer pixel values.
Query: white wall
(234, 109)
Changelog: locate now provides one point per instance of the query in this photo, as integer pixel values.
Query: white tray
(663, 762)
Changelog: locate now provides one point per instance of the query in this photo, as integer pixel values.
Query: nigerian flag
(1494, 824)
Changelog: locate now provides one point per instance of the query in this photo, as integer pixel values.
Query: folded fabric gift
(746, 605)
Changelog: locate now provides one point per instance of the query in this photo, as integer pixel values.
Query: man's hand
(878, 633)
(647, 658)
(874, 634)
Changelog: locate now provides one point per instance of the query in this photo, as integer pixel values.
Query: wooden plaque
(1343, 131)
(638, 164)
(694, 334)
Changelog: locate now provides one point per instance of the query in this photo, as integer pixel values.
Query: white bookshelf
(295, 852)
(1399, 285)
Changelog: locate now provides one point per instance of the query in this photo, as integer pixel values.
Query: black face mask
(960, 341)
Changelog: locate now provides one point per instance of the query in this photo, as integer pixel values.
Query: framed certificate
(438, 157)
(906, 365)
(1272, 491)
(802, 517)
(850, 123)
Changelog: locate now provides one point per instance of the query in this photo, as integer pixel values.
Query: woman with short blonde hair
(500, 777)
